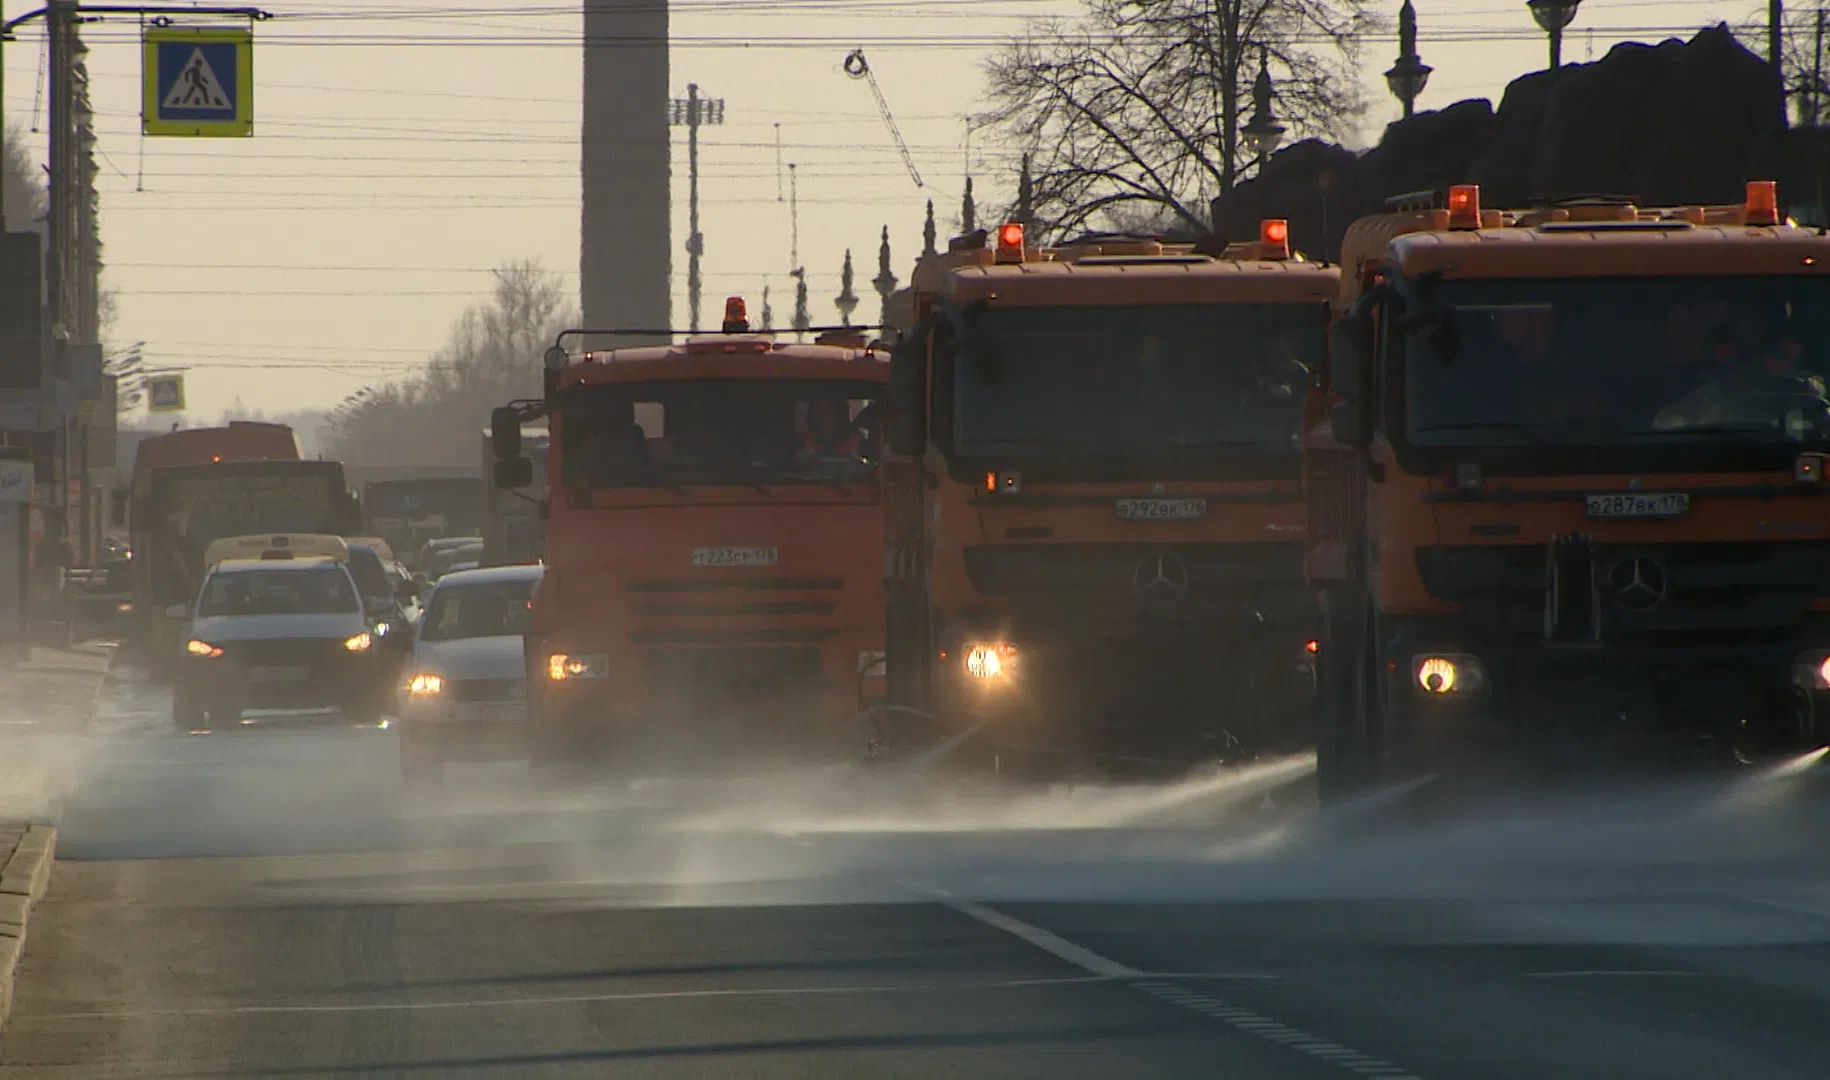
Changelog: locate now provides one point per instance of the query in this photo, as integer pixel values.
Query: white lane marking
(568, 999)
(1618, 974)
(1054, 945)
(1250, 1023)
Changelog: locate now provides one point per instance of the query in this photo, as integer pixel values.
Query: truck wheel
(1345, 751)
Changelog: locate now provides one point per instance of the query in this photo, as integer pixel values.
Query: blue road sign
(198, 82)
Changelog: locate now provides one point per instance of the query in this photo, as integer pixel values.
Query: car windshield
(484, 609)
(724, 431)
(1135, 380)
(1619, 361)
(318, 591)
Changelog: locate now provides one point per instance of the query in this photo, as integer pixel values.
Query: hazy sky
(404, 147)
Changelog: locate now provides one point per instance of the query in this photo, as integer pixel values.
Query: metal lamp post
(1263, 132)
(1552, 16)
(691, 112)
(1409, 75)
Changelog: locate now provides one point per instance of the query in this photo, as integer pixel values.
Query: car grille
(285, 652)
(486, 689)
(1733, 591)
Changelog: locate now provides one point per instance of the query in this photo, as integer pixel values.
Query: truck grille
(714, 675)
(1077, 581)
(1731, 590)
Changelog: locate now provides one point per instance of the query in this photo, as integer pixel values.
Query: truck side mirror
(514, 472)
(907, 425)
(505, 437)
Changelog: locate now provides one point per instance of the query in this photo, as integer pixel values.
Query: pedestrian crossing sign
(198, 81)
(165, 393)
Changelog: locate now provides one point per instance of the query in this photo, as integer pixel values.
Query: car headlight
(125, 607)
(358, 643)
(199, 647)
(991, 660)
(1448, 674)
(871, 663)
(425, 684)
(564, 667)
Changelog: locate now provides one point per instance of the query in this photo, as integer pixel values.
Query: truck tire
(188, 712)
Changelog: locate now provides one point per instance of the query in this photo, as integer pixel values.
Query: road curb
(24, 877)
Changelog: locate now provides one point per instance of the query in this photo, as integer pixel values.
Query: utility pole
(61, 316)
(1775, 46)
(692, 111)
(1817, 71)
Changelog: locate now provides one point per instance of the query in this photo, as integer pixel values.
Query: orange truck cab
(1568, 503)
(712, 545)
(1093, 501)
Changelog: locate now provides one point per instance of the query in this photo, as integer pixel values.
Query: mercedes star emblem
(1161, 579)
(1638, 581)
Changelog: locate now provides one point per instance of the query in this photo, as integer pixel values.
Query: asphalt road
(271, 903)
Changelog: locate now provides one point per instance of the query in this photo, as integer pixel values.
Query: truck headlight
(199, 647)
(358, 643)
(1448, 674)
(990, 661)
(425, 684)
(1812, 670)
(565, 667)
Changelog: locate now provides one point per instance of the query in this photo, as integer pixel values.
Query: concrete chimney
(625, 262)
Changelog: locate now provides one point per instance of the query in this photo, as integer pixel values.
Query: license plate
(734, 556)
(1162, 509)
(277, 674)
(1629, 504)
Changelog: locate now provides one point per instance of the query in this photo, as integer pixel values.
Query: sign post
(198, 82)
(16, 485)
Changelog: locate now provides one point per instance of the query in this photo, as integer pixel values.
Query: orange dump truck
(1093, 502)
(1568, 505)
(714, 574)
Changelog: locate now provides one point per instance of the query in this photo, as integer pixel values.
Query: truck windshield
(1136, 381)
(722, 431)
(1622, 361)
(325, 591)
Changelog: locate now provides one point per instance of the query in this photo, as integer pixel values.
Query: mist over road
(271, 901)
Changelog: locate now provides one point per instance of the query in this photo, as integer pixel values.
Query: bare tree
(1140, 103)
(493, 355)
(22, 183)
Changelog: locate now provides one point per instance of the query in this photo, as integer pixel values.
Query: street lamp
(1409, 75)
(1263, 132)
(1552, 16)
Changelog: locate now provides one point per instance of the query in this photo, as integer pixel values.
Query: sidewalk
(55, 688)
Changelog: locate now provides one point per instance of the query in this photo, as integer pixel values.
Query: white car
(286, 634)
(464, 690)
